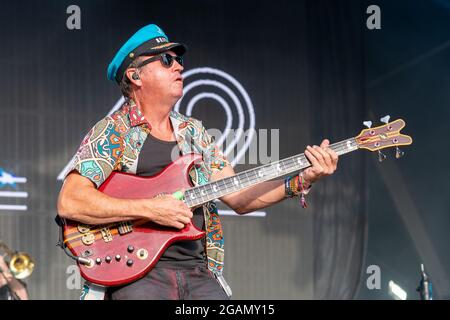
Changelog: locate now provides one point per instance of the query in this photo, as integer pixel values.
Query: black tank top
(155, 155)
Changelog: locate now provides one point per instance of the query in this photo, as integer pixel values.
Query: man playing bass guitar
(143, 137)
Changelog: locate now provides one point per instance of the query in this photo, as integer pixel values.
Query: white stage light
(396, 291)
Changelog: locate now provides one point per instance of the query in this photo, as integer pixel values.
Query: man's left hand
(323, 160)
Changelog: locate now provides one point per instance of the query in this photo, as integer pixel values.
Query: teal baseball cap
(148, 40)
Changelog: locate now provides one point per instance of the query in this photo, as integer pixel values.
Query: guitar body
(120, 253)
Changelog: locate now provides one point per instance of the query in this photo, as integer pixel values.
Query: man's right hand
(80, 200)
(168, 211)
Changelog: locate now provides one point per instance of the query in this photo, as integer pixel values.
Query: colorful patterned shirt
(115, 142)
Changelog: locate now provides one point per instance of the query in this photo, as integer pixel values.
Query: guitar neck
(245, 179)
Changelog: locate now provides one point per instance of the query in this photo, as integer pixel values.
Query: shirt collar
(136, 116)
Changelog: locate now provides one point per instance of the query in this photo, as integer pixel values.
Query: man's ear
(133, 75)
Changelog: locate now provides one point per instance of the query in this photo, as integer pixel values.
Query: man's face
(161, 81)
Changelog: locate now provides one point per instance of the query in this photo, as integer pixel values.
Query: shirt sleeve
(99, 153)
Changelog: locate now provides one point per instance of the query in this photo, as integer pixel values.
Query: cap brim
(178, 48)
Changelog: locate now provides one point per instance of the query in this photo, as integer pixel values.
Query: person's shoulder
(118, 121)
(121, 116)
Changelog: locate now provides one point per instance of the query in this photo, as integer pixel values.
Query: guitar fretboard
(245, 179)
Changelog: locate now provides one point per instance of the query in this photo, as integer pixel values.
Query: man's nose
(177, 67)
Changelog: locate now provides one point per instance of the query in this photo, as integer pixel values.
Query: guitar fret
(292, 162)
(233, 185)
(199, 194)
(225, 184)
(246, 176)
(188, 202)
(203, 193)
(214, 187)
(210, 191)
(228, 185)
(236, 181)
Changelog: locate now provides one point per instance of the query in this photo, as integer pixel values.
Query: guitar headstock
(384, 136)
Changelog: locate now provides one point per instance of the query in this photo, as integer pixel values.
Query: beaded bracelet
(294, 186)
(288, 191)
(302, 190)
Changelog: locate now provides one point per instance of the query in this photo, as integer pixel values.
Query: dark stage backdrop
(300, 64)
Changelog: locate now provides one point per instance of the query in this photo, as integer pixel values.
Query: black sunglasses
(166, 60)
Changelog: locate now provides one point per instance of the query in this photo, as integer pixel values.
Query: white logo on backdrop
(230, 88)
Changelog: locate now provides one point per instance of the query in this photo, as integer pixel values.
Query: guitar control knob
(108, 259)
(130, 248)
(98, 261)
(142, 254)
(118, 257)
(129, 262)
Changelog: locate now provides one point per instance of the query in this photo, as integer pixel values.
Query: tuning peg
(368, 124)
(398, 153)
(385, 119)
(381, 156)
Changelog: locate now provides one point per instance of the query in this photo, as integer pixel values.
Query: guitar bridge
(125, 227)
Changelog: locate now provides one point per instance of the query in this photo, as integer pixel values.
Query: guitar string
(227, 183)
(287, 167)
(371, 138)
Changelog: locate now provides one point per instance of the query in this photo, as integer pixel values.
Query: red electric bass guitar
(118, 253)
